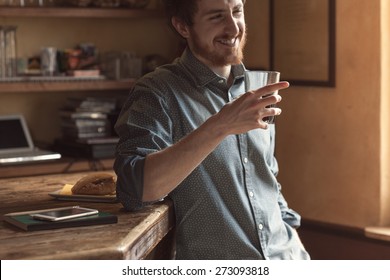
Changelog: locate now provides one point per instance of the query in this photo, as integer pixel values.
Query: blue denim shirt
(231, 205)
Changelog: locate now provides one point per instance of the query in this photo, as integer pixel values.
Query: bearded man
(189, 131)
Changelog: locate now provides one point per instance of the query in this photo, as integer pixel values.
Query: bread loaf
(98, 183)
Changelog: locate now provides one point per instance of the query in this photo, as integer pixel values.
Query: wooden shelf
(76, 12)
(66, 86)
(72, 12)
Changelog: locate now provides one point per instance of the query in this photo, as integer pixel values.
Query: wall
(385, 105)
(329, 139)
(257, 49)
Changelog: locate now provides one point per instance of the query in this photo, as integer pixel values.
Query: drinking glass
(257, 79)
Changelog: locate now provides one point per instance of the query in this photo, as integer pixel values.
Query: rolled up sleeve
(139, 135)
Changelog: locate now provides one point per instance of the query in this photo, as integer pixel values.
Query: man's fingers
(269, 89)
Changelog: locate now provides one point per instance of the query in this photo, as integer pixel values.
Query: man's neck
(222, 71)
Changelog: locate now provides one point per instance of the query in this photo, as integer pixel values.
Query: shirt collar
(202, 74)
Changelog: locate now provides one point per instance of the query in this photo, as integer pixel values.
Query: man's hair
(182, 9)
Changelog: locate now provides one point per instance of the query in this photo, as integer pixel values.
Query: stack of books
(89, 117)
(87, 127)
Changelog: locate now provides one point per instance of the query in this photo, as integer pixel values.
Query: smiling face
(218, 33)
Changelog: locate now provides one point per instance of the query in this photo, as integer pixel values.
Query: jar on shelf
(8, 58)
(2, 52)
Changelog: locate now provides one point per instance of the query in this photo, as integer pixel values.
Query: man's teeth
(229, 42)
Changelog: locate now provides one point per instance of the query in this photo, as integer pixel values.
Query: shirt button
(221, 81)
(251, 194)
(261, 226)
(245, 160)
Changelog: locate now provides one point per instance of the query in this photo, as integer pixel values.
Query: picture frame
(303, 41)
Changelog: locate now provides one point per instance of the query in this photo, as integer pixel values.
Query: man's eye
(216, 16)
(237, 12)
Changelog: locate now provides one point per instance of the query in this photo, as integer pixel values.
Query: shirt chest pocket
(261, 143)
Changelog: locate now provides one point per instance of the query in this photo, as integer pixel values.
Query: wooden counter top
(133, 237)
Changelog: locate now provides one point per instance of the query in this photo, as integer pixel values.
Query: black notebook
(24, 221)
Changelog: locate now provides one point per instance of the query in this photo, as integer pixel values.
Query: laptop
(16, 145)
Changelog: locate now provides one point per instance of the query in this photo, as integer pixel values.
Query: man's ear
(180, 26)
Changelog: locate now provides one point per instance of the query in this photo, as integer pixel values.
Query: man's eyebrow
(217, 11)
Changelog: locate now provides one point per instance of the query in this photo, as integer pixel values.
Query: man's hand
(248, 111)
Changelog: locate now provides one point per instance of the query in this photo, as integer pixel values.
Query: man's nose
(232, 25)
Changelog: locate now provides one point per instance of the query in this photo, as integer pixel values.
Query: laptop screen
(13, 134)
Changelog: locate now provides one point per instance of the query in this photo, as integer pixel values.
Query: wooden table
(137, 235)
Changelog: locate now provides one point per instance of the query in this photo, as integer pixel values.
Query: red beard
(219, 58)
